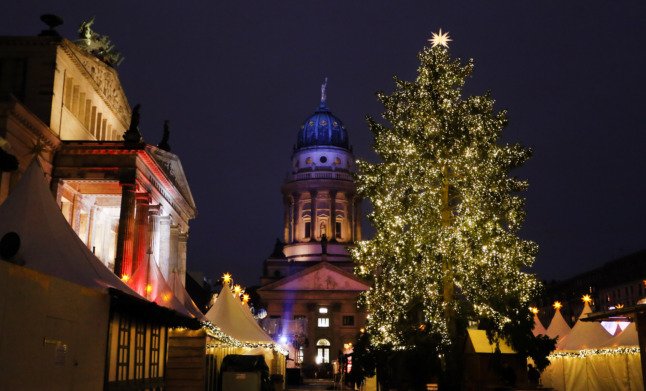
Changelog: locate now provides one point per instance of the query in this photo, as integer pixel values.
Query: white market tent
(538, 327)
(628, 337)
(234, 319)
(47, 242)
(558, 326)
(590, 359)
(584, 335)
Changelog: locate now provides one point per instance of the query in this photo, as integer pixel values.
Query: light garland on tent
(228, 341)
(595, 352)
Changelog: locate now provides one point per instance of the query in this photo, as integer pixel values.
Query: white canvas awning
(584, 335)
(558, 326)
(234, 319)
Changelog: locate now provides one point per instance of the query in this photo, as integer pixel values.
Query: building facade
(308, 285)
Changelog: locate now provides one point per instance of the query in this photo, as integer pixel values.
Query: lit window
(323, 310)
(324, 322)
(299, 355)
(322, 351)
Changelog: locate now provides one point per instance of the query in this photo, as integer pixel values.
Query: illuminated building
(77, 324)
(308, 285)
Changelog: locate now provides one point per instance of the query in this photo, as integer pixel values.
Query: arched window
(322, 351)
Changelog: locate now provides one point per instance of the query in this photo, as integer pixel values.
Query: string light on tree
(446, 212)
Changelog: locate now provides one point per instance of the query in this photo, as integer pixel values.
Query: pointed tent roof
(234, 319)
(584, 335)
(47, 242)
(558, 326)
(183, 296)
(628, 337)
(538, 327)
(149, 282)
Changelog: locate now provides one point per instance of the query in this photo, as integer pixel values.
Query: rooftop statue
(163, 144)
(97, 45)
(132, 135)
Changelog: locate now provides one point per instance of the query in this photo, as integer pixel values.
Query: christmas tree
(446, 251)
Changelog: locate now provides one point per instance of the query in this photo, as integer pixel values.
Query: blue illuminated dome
(322, 128)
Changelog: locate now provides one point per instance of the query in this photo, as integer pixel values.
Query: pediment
(105, 79)
(321, 277)
(172, 167)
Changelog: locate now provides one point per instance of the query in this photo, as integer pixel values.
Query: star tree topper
(441, 39)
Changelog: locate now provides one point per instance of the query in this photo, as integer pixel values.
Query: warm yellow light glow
(149, 288)
(125, 278)
(618, 306)
(586, 298)
(557, 305)
(362, 330)
(237, 289)
(441, 39)
(245, 298)
(166, 296)
(226, 277)
(534, 310)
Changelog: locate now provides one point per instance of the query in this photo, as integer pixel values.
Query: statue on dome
(324, 93)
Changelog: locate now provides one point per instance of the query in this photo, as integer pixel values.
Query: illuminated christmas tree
(446, 252)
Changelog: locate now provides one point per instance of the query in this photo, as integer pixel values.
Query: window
(299, 355)
(155, 337)
(308, 229)
(322, 351)
(338, 230)
(140, 349)
(324, 322)
(323, 310)
(348, 320)
(123, 348)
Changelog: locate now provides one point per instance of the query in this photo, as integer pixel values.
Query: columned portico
(125, 238)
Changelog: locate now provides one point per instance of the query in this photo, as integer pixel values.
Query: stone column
(333, 215)
(286, 219)
(295, 198)
(313, 194)
(153, 230)
(164, 245)
(125, 235)
(181, 249)
(173, 264)
(141, 230)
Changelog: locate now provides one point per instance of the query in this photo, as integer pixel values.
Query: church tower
(308, 285)
(321, 211)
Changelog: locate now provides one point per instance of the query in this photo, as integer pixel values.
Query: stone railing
(301, 176)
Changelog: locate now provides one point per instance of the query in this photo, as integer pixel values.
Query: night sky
(237, 78)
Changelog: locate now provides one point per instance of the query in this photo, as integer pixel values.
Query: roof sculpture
(47, 242)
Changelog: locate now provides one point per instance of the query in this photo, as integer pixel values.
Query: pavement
(315, 384)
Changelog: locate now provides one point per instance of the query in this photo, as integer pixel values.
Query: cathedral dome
(322, 128)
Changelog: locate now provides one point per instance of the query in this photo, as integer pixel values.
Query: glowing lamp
(226, 278)
(245, 298)
(586, 298)
(557, 305)
(237, 289)
(149, 288)
(619, 306)
(533, 310)
(125, 278)
(362, 330)
(283, 339)
(166, 296)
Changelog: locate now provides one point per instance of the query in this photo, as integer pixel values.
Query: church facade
(308, 285)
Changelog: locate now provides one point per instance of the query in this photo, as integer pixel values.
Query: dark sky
(237, 78)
